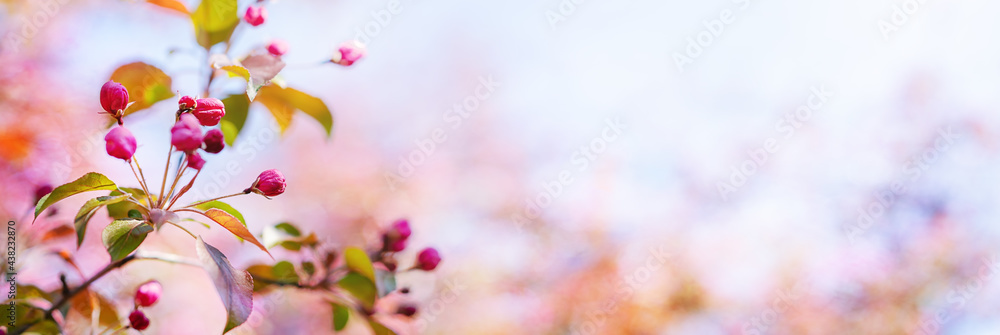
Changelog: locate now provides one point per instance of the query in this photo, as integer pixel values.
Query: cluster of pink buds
(146, 295)
(395, 238)
(186, 135)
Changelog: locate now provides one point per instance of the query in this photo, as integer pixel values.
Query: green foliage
(89, 209)
(92, 181)
(340, 316)
(283, 102)
(237, 107)
(122, 237)
(214, 21)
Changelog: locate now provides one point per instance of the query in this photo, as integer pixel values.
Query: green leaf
(282, 102)
(235, 287)
(285, 271)
(380, 329)
(340, 316)
(360, 287)
(224, 207)
(122, 237)
(214, 21)
(25, 313)
(291, 245)
(309, 268)
(289, 229)
(146, 85)
(358, 262)
(120, 210)
(232, 123)
(282, 273)
(92, 181)
(88, 210)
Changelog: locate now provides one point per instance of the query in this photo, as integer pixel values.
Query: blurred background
(584, 167)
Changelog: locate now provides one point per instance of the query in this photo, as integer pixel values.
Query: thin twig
(184, 229)
(65, 299)
(214, 199)
(145, 185)
(183, 190)
(166, 169)
(177, 177)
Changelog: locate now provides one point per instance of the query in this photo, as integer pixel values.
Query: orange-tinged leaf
(146, 85)
(58, 232)
(172, 5)
(15, 144)
(233, 225)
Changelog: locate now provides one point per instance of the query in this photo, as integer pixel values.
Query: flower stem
(183, 190)
(184, 229)
(145, 186)
(166, 169)
(182, 167)
(214, 199)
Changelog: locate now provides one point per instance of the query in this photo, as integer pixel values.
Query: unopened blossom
(120, 143)
(209, 111)
(186, 134)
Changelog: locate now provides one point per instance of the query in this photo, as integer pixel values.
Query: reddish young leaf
(235, 287)
(233, 225)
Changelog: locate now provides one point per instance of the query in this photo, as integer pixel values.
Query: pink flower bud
(186, 133)
(349, 53)
(120, 143)
(277, 47)
(114, 98)
(397, 245)
(401, 229)
(209, 111)
(215, 141)
(138, 320)
(395, 237)
(147, 294)
(255, 16)
(195, 161)
(186, 102)
(428, 259)
(269, 183)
